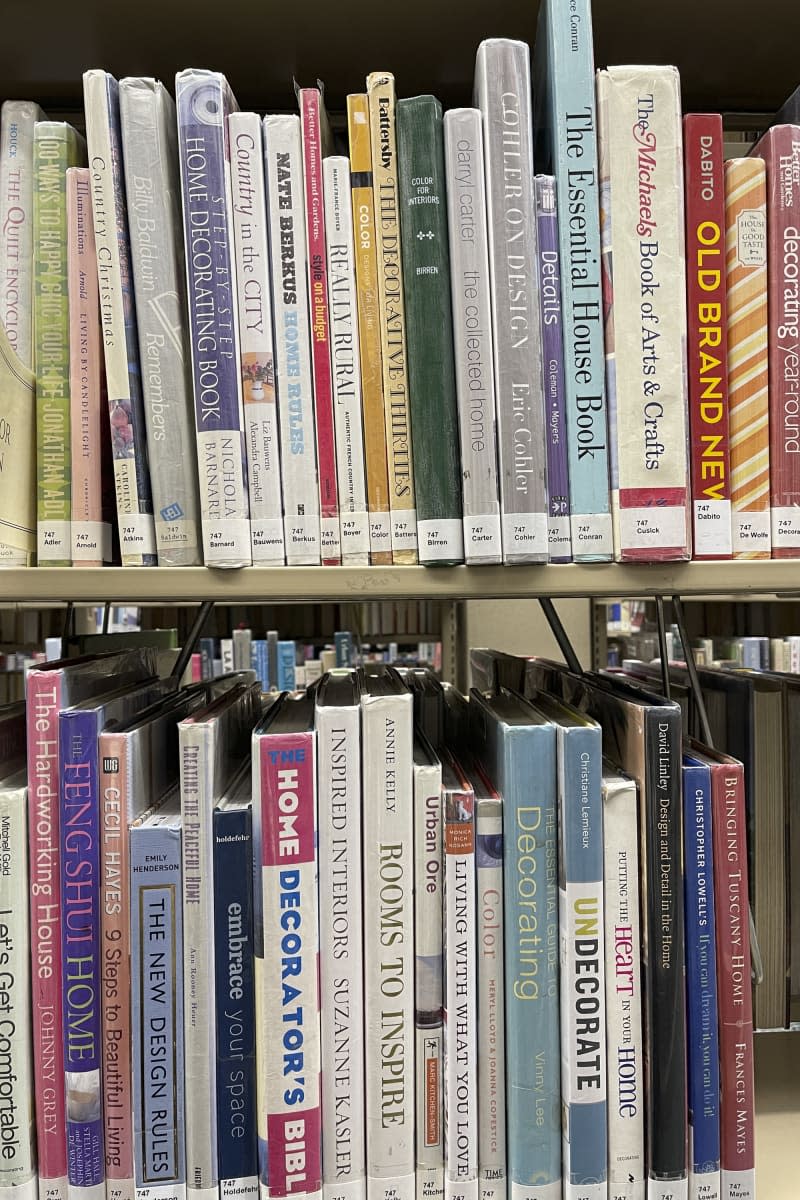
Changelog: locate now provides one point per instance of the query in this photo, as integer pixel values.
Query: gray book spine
(17, 119)
(503, 95)
(150, 145)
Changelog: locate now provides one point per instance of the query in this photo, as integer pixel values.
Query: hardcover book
(17, 121)
(18, 478)
(204, 102)
(429, 330)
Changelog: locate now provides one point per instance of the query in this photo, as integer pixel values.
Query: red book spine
(780, 149)
(311, 119)
(707, 335)
(734, 995)
(43, 703)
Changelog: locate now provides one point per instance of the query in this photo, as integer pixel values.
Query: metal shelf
(167, 585)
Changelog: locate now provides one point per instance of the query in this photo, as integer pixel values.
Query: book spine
(18, 1167)
(734, 995)
(702, 1041)
(118, 322)
(254, 300)
(204, 102)
(287, 785)
(91, 538)
(748, 379)
(18, 482)
(428, 992)
(259, 981)
(157, 1012)
(389, 945)
(645, 299)
(150, 144)
(582, 951)
(397, 410)
(340, 945)
(311, 125)
(343, 310)
(472, 329)
(460, 1012)
(115, 786)
(236, 1029)
(626, 1162)
(43, 692)
(707, 335)
(55, 148)
(560, 538)
(197, 760)
(429, 330)
(16, 224)
(491, 996)
(283, 152)
(369, 329)
(80, 950)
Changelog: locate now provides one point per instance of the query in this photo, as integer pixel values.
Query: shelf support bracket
(560, 634)
(662, 647)
(187, 650)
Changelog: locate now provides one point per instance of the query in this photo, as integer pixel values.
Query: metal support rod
(691, 667)
(662, 647)
(68, 618)
(560, 634)
(106, 615)
(187, 650)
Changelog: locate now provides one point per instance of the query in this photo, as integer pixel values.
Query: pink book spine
(311, 117)
(89, 534)
(43, 702)
(116, 968)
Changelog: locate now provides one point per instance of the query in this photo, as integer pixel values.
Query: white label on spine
(302, 539)
(482, 538)
(705, 1185)
(739, 1185)
(239, 1189)
(159, 1191)
(536, 1191)
(667, 1189)
(226, 541)
(786, 528)
(558, 531)
(401, 1187)
(592, 533)
(54, 542)
(751, 531)
(430, 1183)
(137, 534)
(91, 541)
(330, 546)
(344, 1189)
(10, 556)
(355, 534)
(651, 527)
(525, 535)
(461, 1189)
(404, 529)
(585, 1191)
(380, 532)
(440, 541)
(175, 535)
(712, 527)
(267, 536)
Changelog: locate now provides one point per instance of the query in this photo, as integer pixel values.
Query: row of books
(372, 937)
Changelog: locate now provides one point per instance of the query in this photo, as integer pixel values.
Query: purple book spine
(553, 369)
(80, 942)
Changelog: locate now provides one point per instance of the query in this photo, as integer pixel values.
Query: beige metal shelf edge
(319, 584)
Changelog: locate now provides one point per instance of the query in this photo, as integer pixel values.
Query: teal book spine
(429, 330)
(566, 124)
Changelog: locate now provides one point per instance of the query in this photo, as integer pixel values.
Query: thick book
(391, 303)
(337, 720)
(472, 334)
(343, 323)
(90, 533)
(150, 150)
(369, 328)
(429, 330)
(56, 147)
(549, 264)
(317, 142)
(159, 1078)
(17, 121)
(566, 147)
(254, 301)
(204, 102)
(644, 292)
(283, 154)
(748, 366)
(388, 840)
(707, 335)
(18, 478)
(779, 147)
(503, 95)
(118, 322)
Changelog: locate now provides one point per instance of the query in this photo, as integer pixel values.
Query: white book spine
(428, 982)
(345, 363)
(197, 754)
(472, 321)
(283, 152)
(340, 940)
(17, 119)
(491, 1000)
(226, 651)
(389, 945)
(254, 300)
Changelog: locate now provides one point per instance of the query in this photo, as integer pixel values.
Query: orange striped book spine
(748, 378)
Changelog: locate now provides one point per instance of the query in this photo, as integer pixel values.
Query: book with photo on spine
(17, 121)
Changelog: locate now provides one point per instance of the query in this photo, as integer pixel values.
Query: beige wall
(520, 627)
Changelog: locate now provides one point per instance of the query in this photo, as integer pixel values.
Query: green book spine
(429, 330)
(56, 146)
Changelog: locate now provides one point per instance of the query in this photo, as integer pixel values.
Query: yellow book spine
(402, 502)
(369, 330)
